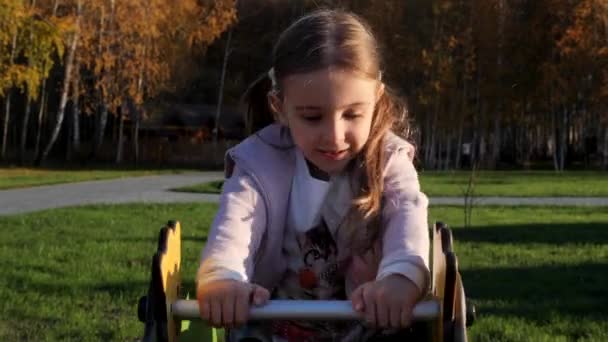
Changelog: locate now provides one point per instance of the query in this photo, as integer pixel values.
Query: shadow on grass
(21, 283)
(556, 234)
(536, 293)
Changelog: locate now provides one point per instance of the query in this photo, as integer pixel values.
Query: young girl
(323, 202)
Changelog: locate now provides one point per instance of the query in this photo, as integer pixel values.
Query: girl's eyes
(351, 115)
(313, 118)
(346, 115)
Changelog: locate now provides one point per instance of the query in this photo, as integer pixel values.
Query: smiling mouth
(334, 155)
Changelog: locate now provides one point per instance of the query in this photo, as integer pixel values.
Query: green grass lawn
(493, 183)
(536, 274)
(11, 178)
(517, 183)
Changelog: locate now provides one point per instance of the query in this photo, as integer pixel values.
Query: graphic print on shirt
(319, 277)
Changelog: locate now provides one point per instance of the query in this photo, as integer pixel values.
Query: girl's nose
(334, 132)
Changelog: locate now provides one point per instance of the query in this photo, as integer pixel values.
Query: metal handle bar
(335, 310)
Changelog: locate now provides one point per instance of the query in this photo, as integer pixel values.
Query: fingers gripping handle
(339, 310)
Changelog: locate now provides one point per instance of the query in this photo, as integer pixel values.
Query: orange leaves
(452, 42)
(587, 32)
(129, 48)
(581, 49)
(212, 21)
(132, 46)
(29, 44)
(427, 59)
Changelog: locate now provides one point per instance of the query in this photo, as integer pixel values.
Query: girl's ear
(277, 107)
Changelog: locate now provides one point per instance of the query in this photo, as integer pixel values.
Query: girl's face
(329, 113)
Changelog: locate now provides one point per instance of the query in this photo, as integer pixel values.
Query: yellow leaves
(583, 37)
(452, 42)
(427, 59)
(436, 86)
(22, 77)
(212, 22)
(11, 18)
(128, 47)
(28, 55)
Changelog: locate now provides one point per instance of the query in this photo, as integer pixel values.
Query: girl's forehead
(329, 87)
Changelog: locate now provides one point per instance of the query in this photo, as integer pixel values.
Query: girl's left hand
(386, 303)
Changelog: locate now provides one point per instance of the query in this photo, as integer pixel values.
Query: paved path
(156, 189)
(153, 189)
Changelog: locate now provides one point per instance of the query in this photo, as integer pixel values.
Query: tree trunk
(448, 152)
(563, 139)
(442, 154)
(41, 112)
(102, 110)
(605, 149)
(476, 119)
(474, 143)
(69, 148)
(69, 64)
(7, 114)
(496, 142)
(221, 88)
(120, 137)
(100, 128)
(434, 137)
(555, 135)
(519, 149)
(439, 151)
(24, 126)
(136, 136)
(481, 136)
(431, 161)
(76, 115)
(137, 114)
(28, 107)
(115, 123)
(460, 133)
(427, 140)
(461, 125)
(532, 144)
(560, 129)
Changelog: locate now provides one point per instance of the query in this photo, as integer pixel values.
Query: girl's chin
(332, 167)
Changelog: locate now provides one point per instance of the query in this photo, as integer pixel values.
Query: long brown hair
(333, 38)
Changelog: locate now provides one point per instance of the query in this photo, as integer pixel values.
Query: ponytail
(258, 114)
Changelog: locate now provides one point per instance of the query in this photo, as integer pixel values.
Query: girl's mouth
(334, 155)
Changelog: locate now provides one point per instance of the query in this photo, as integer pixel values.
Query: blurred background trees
(495, 83)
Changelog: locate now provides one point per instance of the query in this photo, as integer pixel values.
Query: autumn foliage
(495, 83)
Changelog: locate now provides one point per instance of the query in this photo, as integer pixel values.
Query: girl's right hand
(225, 303)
